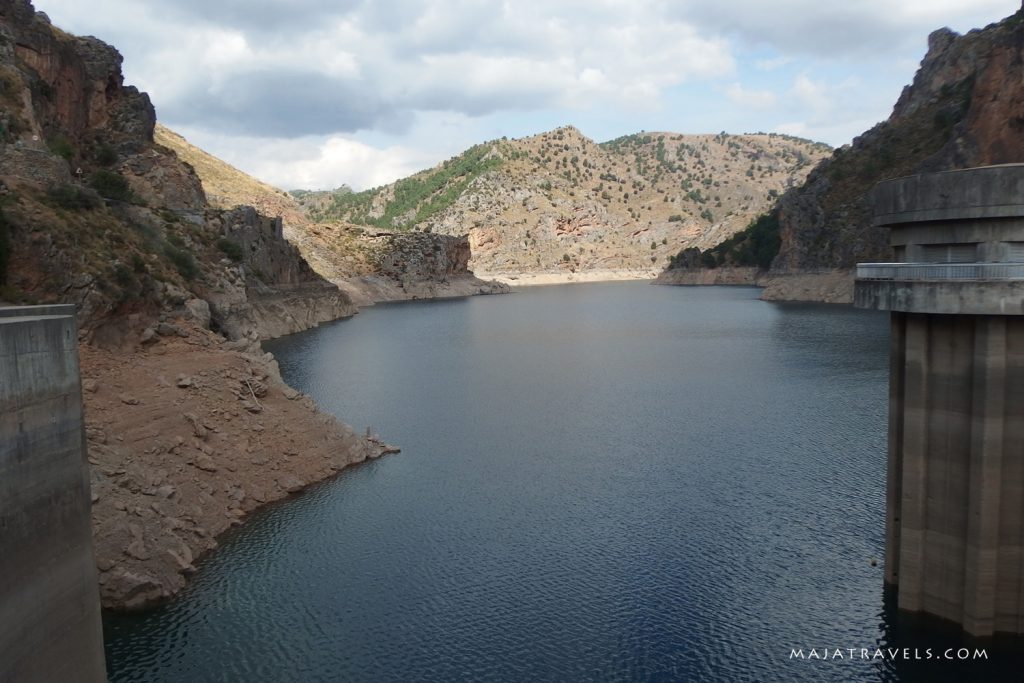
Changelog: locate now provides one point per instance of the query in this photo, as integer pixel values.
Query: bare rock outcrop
(415, 265)
(963, 109)
(280, 292)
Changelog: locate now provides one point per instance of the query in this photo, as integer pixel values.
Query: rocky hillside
(559, 203)
(227, 187)
(963, 109)
(188, 424)
(369, 265)
(97, 214)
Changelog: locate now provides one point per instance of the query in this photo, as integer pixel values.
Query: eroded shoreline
(832, 286)
(187, 435)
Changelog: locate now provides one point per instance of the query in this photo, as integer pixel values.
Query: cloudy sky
(317, 93)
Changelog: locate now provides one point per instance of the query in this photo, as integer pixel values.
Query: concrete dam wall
(955, 489)
(50, 627)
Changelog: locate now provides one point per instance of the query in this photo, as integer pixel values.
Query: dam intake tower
(955, 479)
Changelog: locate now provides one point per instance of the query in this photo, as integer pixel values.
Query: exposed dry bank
(832, 286)
(186, 436)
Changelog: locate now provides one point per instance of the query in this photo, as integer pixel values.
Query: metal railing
(940, 271)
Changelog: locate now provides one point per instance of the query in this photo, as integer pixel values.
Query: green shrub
(106, 155)
(123, 276)
(62, 147)
(232, 250)
(111, 185)
(183, 261)
(422, 196)
(73, 197)
(10, 127)
(755, 245)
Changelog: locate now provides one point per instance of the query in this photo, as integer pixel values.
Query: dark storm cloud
(258, 16)
(305, 67)
(284, 103)
(832, 29)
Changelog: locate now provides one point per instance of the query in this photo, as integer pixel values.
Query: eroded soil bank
(186, 436)
(831, 286)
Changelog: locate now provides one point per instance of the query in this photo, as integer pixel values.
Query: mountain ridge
(557, 202)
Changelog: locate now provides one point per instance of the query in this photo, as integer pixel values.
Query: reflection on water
(598, 482)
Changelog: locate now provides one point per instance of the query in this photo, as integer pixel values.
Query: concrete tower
(50, 627)
(955, 491)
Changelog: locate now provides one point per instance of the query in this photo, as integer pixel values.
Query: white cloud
(835, 30)
(773, 63)
(313, 163)
(751, 99)
(375, 65)
(342, 160)
(324, 92)
(833, 111)
(813, 95)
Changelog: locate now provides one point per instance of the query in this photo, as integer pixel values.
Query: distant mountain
(559, 203)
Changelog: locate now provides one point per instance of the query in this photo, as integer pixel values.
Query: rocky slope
(368, 265)
(188, 423)
(84, 180)
(559, 204)
(962, 110)
(227, 187)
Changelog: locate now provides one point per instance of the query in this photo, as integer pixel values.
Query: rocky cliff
(368, 265)
(962, 110)
(415, 266)
(97, 214)
(282, 294)
(954, 115)
(189, 426)
(559, 204)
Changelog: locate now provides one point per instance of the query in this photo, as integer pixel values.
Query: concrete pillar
(955, 489)
(894, 469)
(986, 459)
(50, 627)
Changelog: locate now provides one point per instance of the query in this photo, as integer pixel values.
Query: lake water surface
(598, 482)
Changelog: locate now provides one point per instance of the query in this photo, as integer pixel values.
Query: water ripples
(599, 482)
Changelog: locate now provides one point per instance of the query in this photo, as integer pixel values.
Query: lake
(598, 482)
